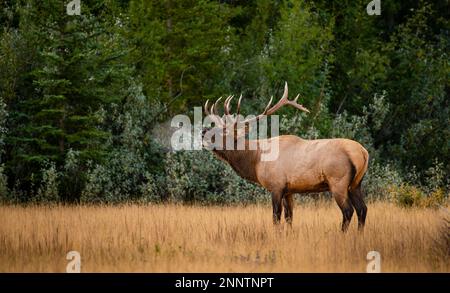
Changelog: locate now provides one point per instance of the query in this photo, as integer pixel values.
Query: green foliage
(48, 191)
(72, 177)
(408, 192)
(358, 65)
(180, 48)
(73, 73)
(298, 52)
(363, 128)
(407, 195)
(418, 128)
(4, 190)
(379, 178)
(125, 174)
(437, 177)
(80, 96)
(3, 128)
(198, 176)
(149, 189)
(254, 23)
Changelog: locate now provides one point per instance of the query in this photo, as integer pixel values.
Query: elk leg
(288, 203)
(343, 201)
(356, 197)
(277, 206)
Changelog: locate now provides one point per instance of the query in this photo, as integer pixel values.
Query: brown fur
(336, 165)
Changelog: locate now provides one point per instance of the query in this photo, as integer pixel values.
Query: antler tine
(268, 110)
(212, 114)
(260, 115)
(227, 105)
(211, 111)
(285, 93)
(283, 101)
(268, 106)
(206, 108)
(238, 109)
(298, 106)
(215, 106)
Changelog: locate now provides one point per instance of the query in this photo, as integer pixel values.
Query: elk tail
(360, 169)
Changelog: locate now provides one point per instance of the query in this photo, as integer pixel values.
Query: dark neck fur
(242, 161)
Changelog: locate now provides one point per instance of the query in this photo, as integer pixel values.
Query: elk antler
(267, 111)
(283, 101)
(215, 118)
(226, 106)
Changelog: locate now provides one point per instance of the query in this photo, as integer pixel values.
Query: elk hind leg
(356, 197)
(340, 194)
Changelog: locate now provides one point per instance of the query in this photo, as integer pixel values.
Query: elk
(336, 165)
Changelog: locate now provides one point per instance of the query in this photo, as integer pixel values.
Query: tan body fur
(336, 165)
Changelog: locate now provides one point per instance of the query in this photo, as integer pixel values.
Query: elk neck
(242, 161)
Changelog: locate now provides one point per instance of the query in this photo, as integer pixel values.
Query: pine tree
(181, 48)
(76, 74)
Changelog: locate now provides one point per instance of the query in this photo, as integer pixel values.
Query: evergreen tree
(76, 73)
(76, 124)
(181, 49)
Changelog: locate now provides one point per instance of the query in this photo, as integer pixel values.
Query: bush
(123, 178)
(73, 177)
(379, 178)
(132, 169)
(48, 190)
(197, 176)
(4, 191)
(407, 195)
(149, 189)
(436, 177)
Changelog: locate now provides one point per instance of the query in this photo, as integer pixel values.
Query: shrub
(197, 176)
(48, 190)
(98, 186)
(407, 195)
(73, 177)
(378, 178)
(436, 177)
(149, 189)
(4, 191)
(123, 178)
(131, 169)
(437, 198)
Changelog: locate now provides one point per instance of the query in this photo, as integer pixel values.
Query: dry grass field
(172, 238)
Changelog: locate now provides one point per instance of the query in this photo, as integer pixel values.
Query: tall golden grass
(175, 238)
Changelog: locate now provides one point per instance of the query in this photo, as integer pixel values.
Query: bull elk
(336, 165)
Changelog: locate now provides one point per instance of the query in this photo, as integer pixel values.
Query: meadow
(182, 238)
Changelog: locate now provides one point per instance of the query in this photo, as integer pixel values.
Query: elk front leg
(277, 206)
(288, 201)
